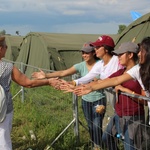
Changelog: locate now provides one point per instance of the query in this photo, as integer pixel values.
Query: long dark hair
(145, 68)
(109, 49)
(95, 57)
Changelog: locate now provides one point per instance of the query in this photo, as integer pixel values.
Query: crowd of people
(126, 69)
(133, 79)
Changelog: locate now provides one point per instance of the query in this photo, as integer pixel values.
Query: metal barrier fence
(131, 132)
(143, 128)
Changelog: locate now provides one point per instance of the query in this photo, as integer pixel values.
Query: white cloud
(67, 5)
(68, 15)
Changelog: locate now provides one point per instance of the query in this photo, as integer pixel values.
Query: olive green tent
(13, 43)
(52, 51)
(136, 31)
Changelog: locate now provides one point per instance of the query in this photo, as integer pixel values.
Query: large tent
(136, 31)
(52, 51)
(13, 43)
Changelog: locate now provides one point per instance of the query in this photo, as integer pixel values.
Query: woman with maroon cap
(109, 63)
(89, 101)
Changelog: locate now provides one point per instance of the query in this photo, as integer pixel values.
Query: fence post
(75, 113)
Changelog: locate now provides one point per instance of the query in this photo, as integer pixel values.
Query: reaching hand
(82, 90)
(59, 84)
(67, 87)
(38, 75)
(119, 88)
(54, 82)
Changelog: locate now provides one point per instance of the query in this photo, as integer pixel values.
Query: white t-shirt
(101, 70)
(134, 73)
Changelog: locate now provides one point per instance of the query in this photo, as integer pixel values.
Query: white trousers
(5, 132)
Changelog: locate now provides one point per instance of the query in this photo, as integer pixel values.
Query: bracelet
(74, 83)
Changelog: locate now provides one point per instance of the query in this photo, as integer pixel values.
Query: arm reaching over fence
(62, 73)
(67, 87)
(39, 75)
(82, 90)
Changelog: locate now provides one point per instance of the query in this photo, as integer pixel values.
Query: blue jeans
(107, 137)
(94, 119)
(111, 141)
(128, 143)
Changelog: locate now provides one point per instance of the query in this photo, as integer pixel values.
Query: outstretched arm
(63, 73)
(109, 82)
(23, 80)
(93, 73)
(39, 75)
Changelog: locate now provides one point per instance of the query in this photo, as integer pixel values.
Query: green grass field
(46, 112)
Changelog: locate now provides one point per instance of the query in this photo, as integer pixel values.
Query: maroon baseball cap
(104, 40)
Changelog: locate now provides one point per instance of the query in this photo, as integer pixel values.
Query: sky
(68, 16)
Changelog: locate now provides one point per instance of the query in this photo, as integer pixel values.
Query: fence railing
(133, 131)
(143, 129)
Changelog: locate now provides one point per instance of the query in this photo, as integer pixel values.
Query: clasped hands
(61, 84)
(67, 86)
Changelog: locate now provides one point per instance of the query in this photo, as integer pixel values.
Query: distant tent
(13, 43)
(136, 31)
(52, 51)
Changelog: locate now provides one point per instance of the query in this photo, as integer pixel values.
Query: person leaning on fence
(129, 112)
(109, 63)
(89, 101)
(10, 72)
(140, 72)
